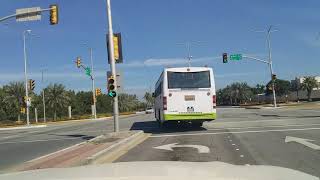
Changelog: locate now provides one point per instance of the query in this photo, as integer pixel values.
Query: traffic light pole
(25, 74)
(271, 69)
(93, 90)
(43, 102)
(113, 68)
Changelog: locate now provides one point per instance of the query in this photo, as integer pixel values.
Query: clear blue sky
(151, 31)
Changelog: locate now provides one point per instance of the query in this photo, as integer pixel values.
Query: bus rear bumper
(190, 117)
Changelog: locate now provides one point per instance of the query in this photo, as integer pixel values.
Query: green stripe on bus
(190, 116)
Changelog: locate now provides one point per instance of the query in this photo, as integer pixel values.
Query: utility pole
(43, 102)
(113, 68)
(25, 74)
(270, 66)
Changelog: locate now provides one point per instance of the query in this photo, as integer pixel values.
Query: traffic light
(22, 110)
(78, 62)
(111, 87)
(274, 77)
(32, 84)
(54, 14)
(225, 58)
(117, 48)
(98, 92)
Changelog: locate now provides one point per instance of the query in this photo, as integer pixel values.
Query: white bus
(185, 94)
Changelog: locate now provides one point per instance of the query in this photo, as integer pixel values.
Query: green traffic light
(112, 94)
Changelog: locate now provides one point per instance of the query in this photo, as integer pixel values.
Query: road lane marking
(255, 127)
(302, 141)
(7, 137)
(169, 147)
(232, 132)
(265, 120)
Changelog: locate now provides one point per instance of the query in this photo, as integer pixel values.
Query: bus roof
(188, 69)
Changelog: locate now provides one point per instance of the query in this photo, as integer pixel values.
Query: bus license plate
(190, 109)
(189, 98)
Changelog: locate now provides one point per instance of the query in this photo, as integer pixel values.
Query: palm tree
(57, 98)
(308, 84)
(15, 92)
(149, 99)
(128, 102)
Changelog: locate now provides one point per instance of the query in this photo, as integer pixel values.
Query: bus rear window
(188, 79)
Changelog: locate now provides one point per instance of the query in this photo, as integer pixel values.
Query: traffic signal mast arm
(24, 13)
(256, 59)
(85, 68)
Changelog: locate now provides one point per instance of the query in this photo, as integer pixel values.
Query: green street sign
(88, 71)
(235, 57)
(112, 94)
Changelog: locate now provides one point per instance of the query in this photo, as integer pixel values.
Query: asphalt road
(238, 136)
(18, 146)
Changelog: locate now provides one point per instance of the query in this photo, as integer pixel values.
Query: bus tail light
(164, 103)
(214, 101)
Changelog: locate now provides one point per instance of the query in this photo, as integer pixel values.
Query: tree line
(58, 98)
(241, 93)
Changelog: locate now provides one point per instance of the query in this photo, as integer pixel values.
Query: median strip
(104, 148)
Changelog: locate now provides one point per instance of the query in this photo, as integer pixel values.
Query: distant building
(299, 81)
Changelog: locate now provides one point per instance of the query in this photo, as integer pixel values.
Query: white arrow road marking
(305, 142)
(169, 147)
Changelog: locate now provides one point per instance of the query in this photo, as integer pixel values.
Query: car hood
(163, 170)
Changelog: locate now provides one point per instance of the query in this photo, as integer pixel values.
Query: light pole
(43, 102)
(269, 31)
(270, 66)
(188, 46)
(113, 68)
(25, 73)
(92, 83)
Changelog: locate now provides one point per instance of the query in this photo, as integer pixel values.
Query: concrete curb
(96, 156)
(23, 127)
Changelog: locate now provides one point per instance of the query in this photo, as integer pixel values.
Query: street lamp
(269, 31)
(188, 47)
(25, 73)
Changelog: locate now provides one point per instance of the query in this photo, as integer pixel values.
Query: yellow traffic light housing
(54, 14)
(22, 110)
(78, 62)
(32, 84)
(117, 48)
(98, 92)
